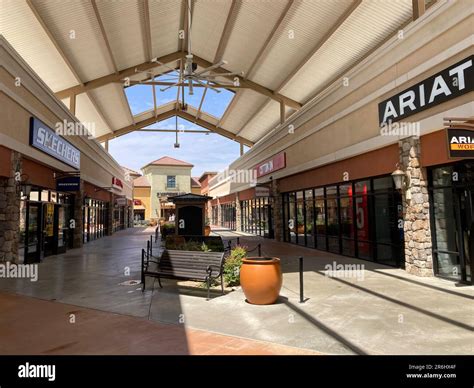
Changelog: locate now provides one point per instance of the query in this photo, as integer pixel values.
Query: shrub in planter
(232, 265)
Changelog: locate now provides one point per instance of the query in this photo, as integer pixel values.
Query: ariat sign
(449, 83)
(45, 139)
(460, 143)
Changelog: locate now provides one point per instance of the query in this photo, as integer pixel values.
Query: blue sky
(210, 152)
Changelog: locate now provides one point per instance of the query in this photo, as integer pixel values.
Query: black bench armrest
(211, 269)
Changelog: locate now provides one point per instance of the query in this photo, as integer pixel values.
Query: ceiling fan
(188, 75)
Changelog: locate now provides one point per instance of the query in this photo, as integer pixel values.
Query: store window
(357, 219)
(255, 217)
(95, 218)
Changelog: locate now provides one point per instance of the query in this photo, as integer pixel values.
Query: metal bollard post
(148, 248)
(238, 240)
(151, 245)
(301, 279)
(259, 250)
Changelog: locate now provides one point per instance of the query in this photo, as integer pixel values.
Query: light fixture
(399, 178)
(26, 189)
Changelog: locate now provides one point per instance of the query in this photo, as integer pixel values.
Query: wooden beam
(241, 149)
(106, 145)
(72, 104)
(282, 113)
(136, 126)
(252, 85)
(98, 82)
(147, 30)
(213, 128)
(101, 81)
(171, 113)
(171, 130)
(418, 8)
(104, 36)
(320, 43)
(228, 26)
(273, 34)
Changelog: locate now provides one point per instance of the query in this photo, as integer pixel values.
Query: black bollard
(301, 280)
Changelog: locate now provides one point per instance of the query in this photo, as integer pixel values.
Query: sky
(208, 152)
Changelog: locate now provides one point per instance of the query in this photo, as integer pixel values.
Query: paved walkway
(386, 312)
(33, 326)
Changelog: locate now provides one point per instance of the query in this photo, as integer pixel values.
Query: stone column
(277, 210)
(238, 214)
(10, 212)
(417, 230)
(78, 239)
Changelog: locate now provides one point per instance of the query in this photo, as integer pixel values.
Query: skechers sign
(45, 139)
(449, 83)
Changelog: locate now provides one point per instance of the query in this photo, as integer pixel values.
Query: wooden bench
(191, 265)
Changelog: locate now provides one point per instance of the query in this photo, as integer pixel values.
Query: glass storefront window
(349, 218)
(320, 218)
(300, 218)
(332, 219)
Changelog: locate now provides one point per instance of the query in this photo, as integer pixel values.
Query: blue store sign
(45, 139)
(70, 183)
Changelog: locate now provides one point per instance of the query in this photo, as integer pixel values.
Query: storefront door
(465, 201)
(452, 202)
(50, 240)
(34, 236)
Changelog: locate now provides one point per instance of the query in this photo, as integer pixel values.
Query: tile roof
(169, 161)
(141, 181)
(195, 182)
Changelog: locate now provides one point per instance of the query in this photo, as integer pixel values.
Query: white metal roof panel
(306, 23)
(76, 30)
(368, 26)
(23, 31)
(123, 21)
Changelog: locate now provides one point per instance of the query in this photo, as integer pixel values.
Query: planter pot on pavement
(261, 279)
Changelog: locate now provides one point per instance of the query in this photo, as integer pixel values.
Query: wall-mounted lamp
(401, 181)
(26, 189)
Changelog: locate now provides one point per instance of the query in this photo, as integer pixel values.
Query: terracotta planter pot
(207, 230)
(261, 279)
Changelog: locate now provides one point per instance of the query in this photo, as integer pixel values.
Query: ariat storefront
(57, 191)
(379, 167)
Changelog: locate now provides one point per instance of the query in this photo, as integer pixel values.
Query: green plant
(232, 265)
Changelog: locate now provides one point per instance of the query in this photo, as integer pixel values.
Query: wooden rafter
(98, 82)
(273, 34)
(147, 31)
(102, 81)
(170, 113)
(55, 43)
(228, 27)
(104, 36)
(418, 7)
(320, 43)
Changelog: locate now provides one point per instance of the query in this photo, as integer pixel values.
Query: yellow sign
(49, 220)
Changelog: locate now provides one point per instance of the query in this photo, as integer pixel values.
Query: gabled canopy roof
(289, 50)
(141, 181)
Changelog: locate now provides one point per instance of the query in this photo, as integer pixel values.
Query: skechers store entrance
(44, 224)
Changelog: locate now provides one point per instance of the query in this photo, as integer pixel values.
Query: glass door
(34, 237)
(466, 233)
